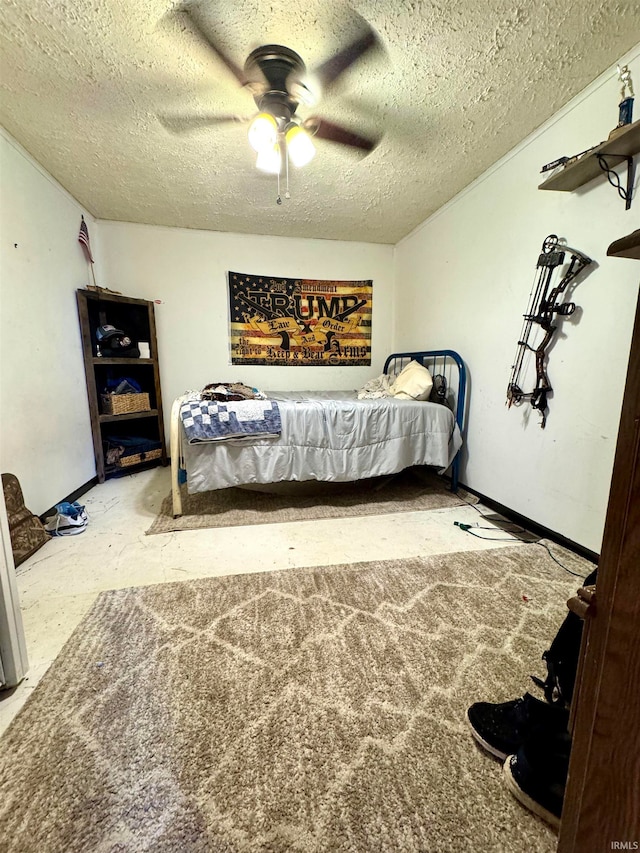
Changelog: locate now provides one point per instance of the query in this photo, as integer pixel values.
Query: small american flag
(83, 238)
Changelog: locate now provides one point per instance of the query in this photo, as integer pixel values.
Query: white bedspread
(330, 436)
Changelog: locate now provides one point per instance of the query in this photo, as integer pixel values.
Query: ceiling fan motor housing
(278, 66)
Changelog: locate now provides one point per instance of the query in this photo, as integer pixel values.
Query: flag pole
(83, 239)
(93, 276)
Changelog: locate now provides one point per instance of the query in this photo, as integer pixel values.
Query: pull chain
(287, 194)
(286, 157)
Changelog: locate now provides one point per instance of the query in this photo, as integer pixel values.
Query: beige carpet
(412, 490)
(316, 709)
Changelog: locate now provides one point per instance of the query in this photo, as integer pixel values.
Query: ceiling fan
(277, 78)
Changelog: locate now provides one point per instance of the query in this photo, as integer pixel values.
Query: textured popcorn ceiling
(459, 83)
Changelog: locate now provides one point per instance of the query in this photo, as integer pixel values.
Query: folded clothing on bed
(227, 391)
(235, 420)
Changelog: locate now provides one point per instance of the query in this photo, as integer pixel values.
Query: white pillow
(414, 382)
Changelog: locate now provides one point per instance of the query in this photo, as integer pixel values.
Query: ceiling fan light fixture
(263, 132)
(299, 145)
(270, 160)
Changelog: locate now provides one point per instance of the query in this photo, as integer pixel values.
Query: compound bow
(543, 305)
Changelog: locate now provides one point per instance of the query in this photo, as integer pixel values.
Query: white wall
(463, 280)
(187, 271)
(45, 437)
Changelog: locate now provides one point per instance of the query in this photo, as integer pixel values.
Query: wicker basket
(137, 458)
(123, 404)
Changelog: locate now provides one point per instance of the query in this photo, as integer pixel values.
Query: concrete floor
(58, 584)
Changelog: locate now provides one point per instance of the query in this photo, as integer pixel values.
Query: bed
(333, 436)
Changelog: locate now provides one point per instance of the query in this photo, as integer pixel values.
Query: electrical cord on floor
(467, 528)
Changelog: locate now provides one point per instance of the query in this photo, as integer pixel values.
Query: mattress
(329, 436)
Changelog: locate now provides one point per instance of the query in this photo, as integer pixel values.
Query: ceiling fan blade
(189, 123)
(329, 71)
(238, 73)
(324, 129)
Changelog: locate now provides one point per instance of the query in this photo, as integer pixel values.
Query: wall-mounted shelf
(602, 158)
(626, 247)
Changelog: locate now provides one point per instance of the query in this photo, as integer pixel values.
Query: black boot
(537, 774)
(502, 728)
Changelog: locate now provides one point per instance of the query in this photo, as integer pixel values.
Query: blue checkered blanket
(241, 420)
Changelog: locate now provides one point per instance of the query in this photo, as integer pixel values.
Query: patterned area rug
(411, 490)
(316, 709)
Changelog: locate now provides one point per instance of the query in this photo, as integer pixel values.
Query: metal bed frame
(449, 364)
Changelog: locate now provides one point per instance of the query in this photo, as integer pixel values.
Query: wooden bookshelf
(137, 318)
